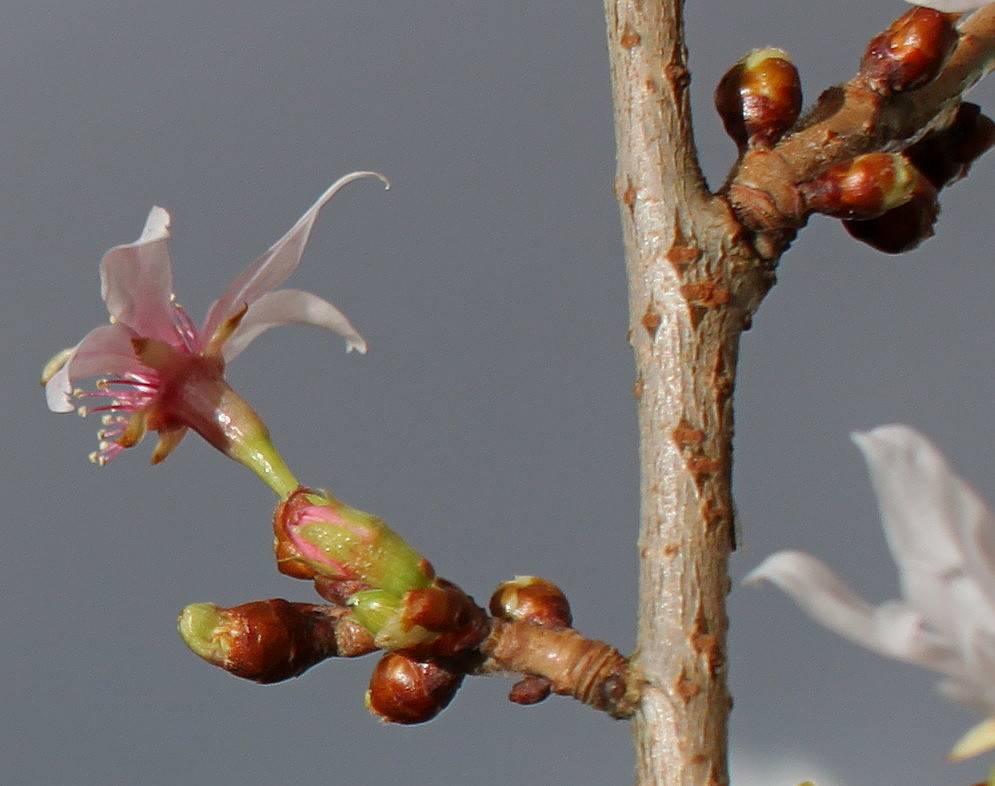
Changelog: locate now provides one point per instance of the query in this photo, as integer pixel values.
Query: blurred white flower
(752, 767)
(942, 537)
(952, 6)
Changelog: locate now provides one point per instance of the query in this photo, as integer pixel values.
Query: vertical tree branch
(693, 283)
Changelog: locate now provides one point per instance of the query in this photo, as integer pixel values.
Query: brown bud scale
(530, 690)
(274, 640)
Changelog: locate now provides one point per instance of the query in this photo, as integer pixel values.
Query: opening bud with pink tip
(319, 535)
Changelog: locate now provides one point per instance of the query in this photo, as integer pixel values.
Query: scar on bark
(651, 319)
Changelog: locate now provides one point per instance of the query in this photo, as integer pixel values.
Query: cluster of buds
(910, 52)
(759, 98)
(363, 567)
(887, 200)
(357, 561)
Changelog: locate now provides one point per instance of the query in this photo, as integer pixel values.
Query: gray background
(491, 422)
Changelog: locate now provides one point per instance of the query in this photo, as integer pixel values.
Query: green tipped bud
(202, 626)
(437, 621)
(317, 535)
(270, 640)
(863, 187)
(385, 616)
(759, 98)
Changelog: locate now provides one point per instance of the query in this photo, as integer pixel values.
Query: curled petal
(273, 267)
(891, 629)
(104, 350)
(290, 306)
(136, 281)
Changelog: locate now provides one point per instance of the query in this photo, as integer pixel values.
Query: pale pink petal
(926, 511)
(272, 268)
(951, 6)
(104, 350)
(891, 629)
(286, 307)
(136, 281)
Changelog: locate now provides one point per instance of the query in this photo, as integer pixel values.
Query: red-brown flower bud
(759, 98)
(534, 599)
(946, 155)
(902, 228)
(910, 52)
(271, 640)
(863, 187)
(404, 690)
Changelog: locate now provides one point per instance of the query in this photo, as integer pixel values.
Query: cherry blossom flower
(166, 374)
(951, 6)
(942, 537)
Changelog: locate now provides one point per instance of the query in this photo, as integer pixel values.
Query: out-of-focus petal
(104, 350)
(951, 6)
(926, 511)
(291, 306)
(968, 693)
(891, 629)
(977, 544)
(136, 281)
(272, 268)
